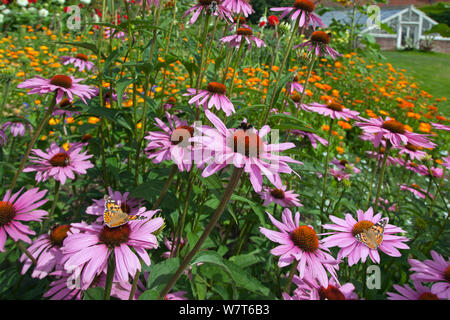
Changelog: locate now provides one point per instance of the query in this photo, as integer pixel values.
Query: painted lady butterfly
(114, 215)
(374, 235)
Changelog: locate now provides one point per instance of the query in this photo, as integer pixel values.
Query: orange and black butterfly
(374, 235)
(114, 215)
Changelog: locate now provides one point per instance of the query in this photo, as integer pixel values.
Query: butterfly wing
(113, 214)
(373, 237)
(378, 231)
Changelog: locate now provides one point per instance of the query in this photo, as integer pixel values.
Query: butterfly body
(114, 216)
(373, 237)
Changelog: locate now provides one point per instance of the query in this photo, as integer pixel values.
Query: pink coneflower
(214, 95)
(87, 253)
(318, 43)
(339, 175)
(412, 151)
(313, 138)
(14, 209)
(446, 163)
(170, 245)
(436, 270)
(300, 243)
(294, 85)
(128, 205)
(17, 128)
(61, 84)
(333, 110)
(439, 126)
(280, 196)
(345, 165)
(81, 61)
(3, 138)
(58, 163)
(239, 7)
(244, 148)
(207, 6)
(172, 144)
(179, 295)
(347, 229)
(416, 190)
(393, 131)
(111, 32)
(296, 99)
(304, 9)
(46, 249)
(309, 289)
(64, 287)
(379, 155)
(243, 34)
(405, 292)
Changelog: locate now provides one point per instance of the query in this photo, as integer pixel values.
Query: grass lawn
(430, 69)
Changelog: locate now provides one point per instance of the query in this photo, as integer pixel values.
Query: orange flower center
(447, 273)
(247, 143)
(205, 2)
(82, 56)
(394, 126)
(296, 97)
(320, 37)
(60, 159)
(304, 5)
(171, 100)
(59, 234)
(305, 238)
(331, 293)
(361, 226)
(86, 137)
(7, 212)
(113, 237)
(428, 296)
(216, 87)
(242, 20)
(277, 193)
(244, 32)
(65, 103)
(182, 134)
(411, 147)
(61, 81)
(335, 106)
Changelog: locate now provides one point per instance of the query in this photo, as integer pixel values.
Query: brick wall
(441, 46)
(387, 43)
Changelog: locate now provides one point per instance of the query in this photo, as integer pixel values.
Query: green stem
(25, 250)
(280, 71)
(134, 286)
(33, 140)
(5, 97)
(238, 60)
(110, 275)
(327, 160)
(291, 276)
(163, 192)
(237, 172)
(380, 180)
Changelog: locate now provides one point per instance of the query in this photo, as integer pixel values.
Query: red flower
(273, 20)
(262, 24)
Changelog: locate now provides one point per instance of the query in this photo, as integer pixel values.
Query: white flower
(61, 1)
(32, 9)
(86, 1)
(43, 12)
(1, 18)
(6, 11)
(22, 3)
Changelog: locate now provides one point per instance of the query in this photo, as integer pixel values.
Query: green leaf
(85, 45)
(160, 274)
(149, 295)
(121, 85)
(97, 293)
(245, 280)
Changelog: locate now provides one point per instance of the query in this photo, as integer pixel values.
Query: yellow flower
(93, 120)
